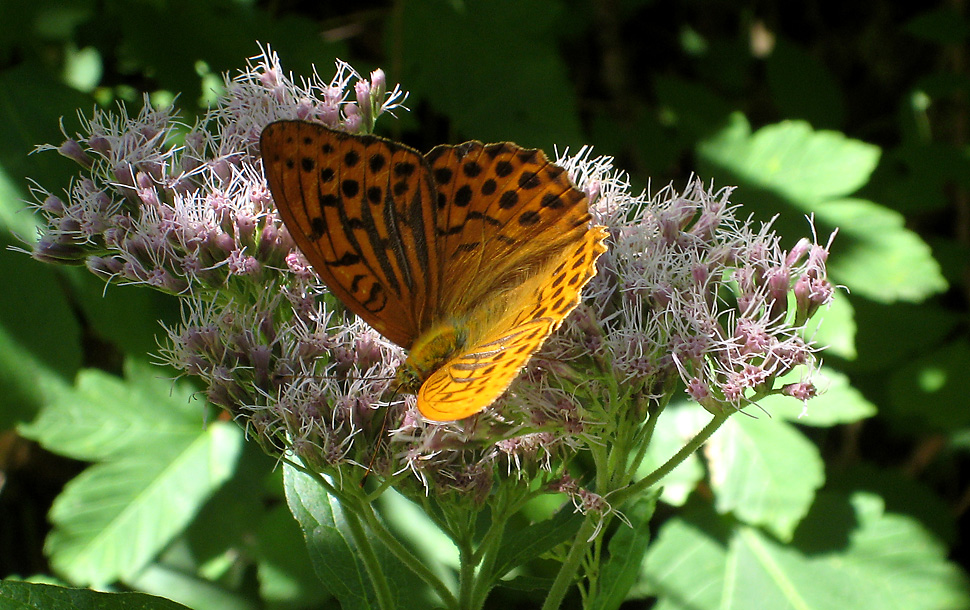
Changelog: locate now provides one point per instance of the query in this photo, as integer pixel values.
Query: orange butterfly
(469, 256)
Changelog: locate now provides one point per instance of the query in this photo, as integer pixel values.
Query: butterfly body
(428, 353)
(469, 256)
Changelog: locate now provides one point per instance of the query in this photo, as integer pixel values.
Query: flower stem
(567, 573)
(466, 580)
(685, 452)
(407, 558)
(371, 564)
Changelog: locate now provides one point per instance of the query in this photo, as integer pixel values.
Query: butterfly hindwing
(361, 209)
(474, 379)
(479, 374)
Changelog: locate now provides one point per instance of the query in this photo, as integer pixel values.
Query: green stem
(567, 573)
(371, 564)
(488, 551)
(361, 508)
(407, 558)
(466, 579)
(685, 452)
(643, 438)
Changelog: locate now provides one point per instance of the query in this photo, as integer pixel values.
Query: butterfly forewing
(361, 209)
(504, 212)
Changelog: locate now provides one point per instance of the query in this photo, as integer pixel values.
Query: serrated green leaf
(837, 403)
(793, 160)
(103, 417)
(882, 562)
(626, 550)
(335, 555)
(110, 521)
(522, 544)
(764, 472)
(15, 595)
(877, 256)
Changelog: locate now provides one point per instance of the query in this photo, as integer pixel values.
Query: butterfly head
(427, 354)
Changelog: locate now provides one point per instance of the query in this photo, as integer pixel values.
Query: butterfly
(468, 256)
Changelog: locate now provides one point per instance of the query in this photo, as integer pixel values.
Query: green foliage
(849, 543)
(155, 463)
(816, 508)
(26, 596)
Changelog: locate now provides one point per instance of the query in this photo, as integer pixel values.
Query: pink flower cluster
(687, 298)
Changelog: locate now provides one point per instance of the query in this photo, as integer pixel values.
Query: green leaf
(407, 520)
(690, 106)
(111, 520)
(888, 335)
(792, 160)
(527, 583)
(764, 471)
(837, 403)
(104, 417)
(518, 89)
(913, 179)
(39, 343)
(789, 163)
(944, 25)
(14, 214)
(902, 494)
(130, 317)
(522, 544)
(877, 256)
(335, 554)
(160, 467)
(626, 549)
(31, 104)
(47, 328)
(24, 382)
(878, 561)
(15, 595)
